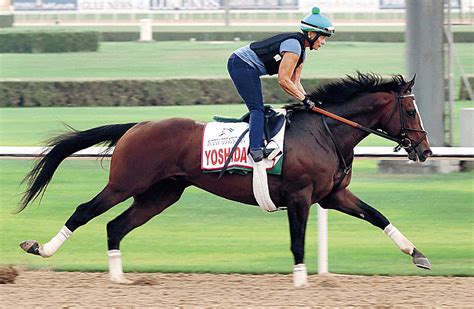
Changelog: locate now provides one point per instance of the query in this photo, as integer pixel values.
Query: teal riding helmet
(317, 22)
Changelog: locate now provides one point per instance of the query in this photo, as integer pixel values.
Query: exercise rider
(282, 54)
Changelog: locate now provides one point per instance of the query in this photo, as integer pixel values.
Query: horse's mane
(351, 87)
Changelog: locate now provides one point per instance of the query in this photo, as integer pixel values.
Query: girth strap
(347, 168)
(231, 154)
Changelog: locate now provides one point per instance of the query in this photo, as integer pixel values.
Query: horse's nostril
(427, 153)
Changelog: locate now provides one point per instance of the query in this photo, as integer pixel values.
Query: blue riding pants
(247, 82)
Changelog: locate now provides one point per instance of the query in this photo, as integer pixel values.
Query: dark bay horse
(154, 162)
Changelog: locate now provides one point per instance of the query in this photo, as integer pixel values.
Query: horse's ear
(409, 85)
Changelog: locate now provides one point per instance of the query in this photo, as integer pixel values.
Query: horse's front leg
(346, 202)
(298, 211)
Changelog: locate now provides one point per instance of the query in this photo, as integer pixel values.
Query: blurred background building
(214, 11)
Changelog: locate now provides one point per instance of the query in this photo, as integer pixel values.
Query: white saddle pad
(220, 137)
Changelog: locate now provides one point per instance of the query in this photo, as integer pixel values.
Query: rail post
(322, 241)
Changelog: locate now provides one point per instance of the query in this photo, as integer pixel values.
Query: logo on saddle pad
(220, 137)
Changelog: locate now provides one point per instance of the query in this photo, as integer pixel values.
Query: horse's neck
(364, 111)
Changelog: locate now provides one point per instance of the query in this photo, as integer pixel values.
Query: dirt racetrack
(51, 289)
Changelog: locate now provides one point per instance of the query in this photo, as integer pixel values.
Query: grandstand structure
(219, 12)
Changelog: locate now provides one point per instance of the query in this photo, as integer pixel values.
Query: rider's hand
(308, 103)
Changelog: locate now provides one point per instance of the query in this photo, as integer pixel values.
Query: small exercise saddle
(272, 125)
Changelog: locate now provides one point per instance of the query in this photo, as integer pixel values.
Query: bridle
(402, 138)
(405, 141)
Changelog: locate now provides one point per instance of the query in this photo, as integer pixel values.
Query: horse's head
(405, 123)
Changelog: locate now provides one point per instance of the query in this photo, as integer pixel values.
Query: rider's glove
(308, 103)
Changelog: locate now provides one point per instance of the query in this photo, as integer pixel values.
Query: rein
(403, 142)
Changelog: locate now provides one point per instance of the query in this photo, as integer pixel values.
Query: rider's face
(319, 42)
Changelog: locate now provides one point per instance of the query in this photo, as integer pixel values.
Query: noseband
(404, 141)
(402, 138)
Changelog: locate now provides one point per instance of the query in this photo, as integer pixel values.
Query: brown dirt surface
(8, 274)
(50, 289)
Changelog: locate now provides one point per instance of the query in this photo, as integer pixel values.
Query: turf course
(31, 126)
(209, 234)
(205, 233)
(204, 59)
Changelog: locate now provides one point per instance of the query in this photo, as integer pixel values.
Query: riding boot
(256, 134)
(256, 154)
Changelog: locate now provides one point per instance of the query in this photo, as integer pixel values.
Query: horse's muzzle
(420, 156)
(425, 155)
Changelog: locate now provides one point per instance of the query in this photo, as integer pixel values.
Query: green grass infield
(30, 126)
(205, 60)
(205, 233)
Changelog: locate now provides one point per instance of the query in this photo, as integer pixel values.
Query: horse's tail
(62, 147)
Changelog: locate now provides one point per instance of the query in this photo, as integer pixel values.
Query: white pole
(322, 241)
(227, 12)
(146, 30)
(450, 42)
(466, 131)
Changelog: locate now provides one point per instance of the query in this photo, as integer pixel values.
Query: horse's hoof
(121, 280)
(30, 246)
(420, 260)
(300, 285)
(300, 276)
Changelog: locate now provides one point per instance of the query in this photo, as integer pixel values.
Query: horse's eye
(411, 113)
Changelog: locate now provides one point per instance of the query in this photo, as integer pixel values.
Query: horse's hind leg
(344, 201)
(146, 205)
(102, 202)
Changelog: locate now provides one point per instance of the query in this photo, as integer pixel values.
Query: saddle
(272, 123)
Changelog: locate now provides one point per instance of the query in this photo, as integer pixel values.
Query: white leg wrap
(115, 267)
(49, 248)
(402, 242)
(300, 276)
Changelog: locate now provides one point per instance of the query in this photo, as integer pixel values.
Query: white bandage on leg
(402, 242)
(115, 267)
(49, 248)
(115, 264)
(300, 276)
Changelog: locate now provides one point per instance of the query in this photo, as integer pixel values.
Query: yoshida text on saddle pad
(220, 137)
